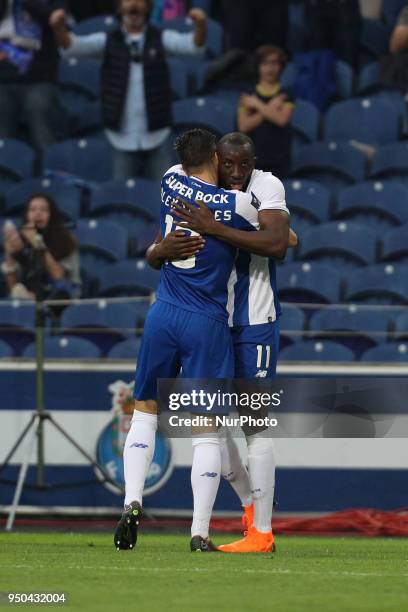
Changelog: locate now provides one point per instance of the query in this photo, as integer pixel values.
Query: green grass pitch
(306, 574)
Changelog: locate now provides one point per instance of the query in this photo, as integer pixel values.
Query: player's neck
(208, 175)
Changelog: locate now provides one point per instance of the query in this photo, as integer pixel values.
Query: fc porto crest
(109, 449)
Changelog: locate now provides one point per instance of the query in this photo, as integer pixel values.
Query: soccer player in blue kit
(254, 319)
(186, 328)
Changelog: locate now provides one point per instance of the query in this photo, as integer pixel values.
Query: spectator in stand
(136, 95)
(394, 67)
(42, 257)
(28, 71)
(265, 113)
(163, 10)
(334, 24)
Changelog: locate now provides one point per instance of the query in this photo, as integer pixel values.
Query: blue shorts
(175, 338)
(256, 349)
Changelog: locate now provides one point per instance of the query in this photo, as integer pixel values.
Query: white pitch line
(211, 569)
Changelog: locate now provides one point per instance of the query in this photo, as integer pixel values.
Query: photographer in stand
(41, 258)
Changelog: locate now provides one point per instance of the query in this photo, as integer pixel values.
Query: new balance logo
(138, 445)
(210, 474)
(261, 374)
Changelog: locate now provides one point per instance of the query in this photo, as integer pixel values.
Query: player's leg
(158, 358)
(256, 356)
(207, 352)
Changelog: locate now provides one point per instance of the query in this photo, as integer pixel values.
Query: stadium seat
(344, 78)
(127, 349)
(129, 277)
(368, 327)
(178, 78)
(379, 284)
(308, 199)
(81, 75)
(5, 350)
(67, 197)
(17, 324)
(101, 23)
(106, 239)
(369, 120)
(90, 159)
(138, 197)
(65, 348)
(370, 80)
(292, 324)
(391, 162)
(395, 245)
(336, 165)
(316, 351)
(339, 243)
(208, 112)
(308, 282)
(16, 160)
(305, 121)
(103, 324)
(380, 205)
(394, 351)
(374, 38)
(215, 33)
(401, 326)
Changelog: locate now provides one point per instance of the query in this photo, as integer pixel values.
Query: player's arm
(270, 241)
(176, 245)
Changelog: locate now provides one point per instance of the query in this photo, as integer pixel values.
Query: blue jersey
(200, 283)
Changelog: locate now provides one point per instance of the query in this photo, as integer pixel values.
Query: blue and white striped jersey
(200, 283)
(252, 295)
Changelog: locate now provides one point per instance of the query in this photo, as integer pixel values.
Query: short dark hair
(264, 51)
(237, 139)
(196, 148)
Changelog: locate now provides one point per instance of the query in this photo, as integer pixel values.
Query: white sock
(232, 468)
(205, 479)
(138, 454)
(261, 465)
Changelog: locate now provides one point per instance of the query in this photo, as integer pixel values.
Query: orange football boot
(254, 542)
(247, 518)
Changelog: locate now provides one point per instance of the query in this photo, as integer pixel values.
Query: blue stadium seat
(5, 350)
(316, 351)
(65, 348)
(380, 205)
(368, 120)
(67, 197)
(374, 38)
(178, 78)
(81, 75)
(101, 23)
(344, 79)
(16, 160)
(395, 245)
(215, 33)
(339, 243)
(308, 199)
(370, 80)
(138, 197)
(90, 159)
(292, 323)
(207, 112)
(391, 162)
(379, 284)
(394, 351)
(17, 324)
(305, 120)
(336, 165)
(127, 349)
(106, 239)
(369, 327)
(102, 323)
(401, 326)
(128, 277)
(308, 282)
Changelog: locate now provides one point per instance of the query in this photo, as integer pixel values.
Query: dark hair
(196, 148)
(149, 5)
(59, 241)
(261, 53)
(237, 139)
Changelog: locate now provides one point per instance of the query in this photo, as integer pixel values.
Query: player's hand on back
(197, 217)
(179, 245)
